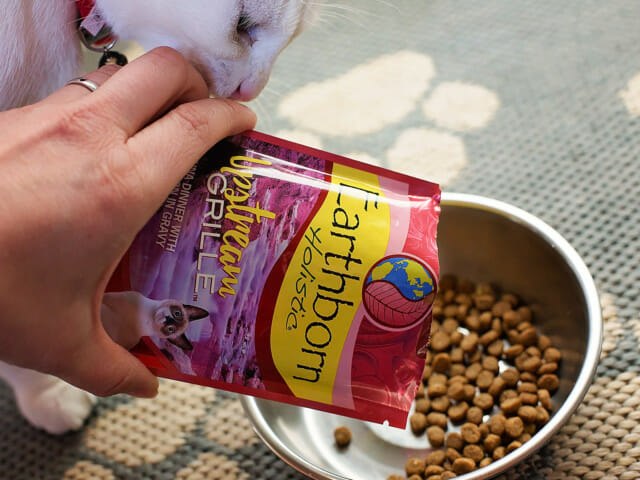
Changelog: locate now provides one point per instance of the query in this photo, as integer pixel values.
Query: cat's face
(171, 319)
(233, 43)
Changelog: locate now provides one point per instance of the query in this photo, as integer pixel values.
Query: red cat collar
(94, 31)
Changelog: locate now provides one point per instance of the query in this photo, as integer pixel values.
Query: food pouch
(288, 273)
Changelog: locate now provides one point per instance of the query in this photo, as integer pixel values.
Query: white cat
(233, 43)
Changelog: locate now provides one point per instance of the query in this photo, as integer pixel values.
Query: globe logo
(398, 292)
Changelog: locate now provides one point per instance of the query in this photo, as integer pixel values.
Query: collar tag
(93, 22)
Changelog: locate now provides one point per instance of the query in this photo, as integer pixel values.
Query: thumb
(104, 368)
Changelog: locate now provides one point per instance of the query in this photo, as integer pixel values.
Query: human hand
(82, 173)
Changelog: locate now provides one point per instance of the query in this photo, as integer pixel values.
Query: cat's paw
(57, 407)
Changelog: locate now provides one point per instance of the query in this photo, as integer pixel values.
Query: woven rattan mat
(534, 103)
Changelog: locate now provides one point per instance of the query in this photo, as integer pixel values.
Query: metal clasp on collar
(103, 42)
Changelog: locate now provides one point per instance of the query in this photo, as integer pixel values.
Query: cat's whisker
(262, 112)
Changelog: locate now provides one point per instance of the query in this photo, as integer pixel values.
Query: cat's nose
(244, 94)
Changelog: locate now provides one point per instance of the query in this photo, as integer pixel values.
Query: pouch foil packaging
(287, 273)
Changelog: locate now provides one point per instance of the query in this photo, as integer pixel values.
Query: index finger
(146, 88)
(167, 148)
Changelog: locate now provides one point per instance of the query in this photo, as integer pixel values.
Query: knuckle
(192, 122)
(165, 58)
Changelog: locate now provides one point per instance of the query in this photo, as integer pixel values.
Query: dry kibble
(456, 391)
(469, 392)
(469, 343)
(470, 432)
(342, 436)
(527, 413)
(395, 477)
(545, 398)
(441, 362)
(531, 364)
(484, 319)
(484, 379)
(547, 368)
(513, 445)
(488, 337)
(464, 299)
(474, 357)
(552, 355)
(458, 379)
(450, 310)
(528, 377)
(514, 427)
(507, 394)
(533, 351)
(474, 415)
(491, 364)
(525, 313)
(437, 378)
(513, 351)
(440, 341)
(510, 377)
(497, 424)
(432, 470)
(528, 387)
(511, 405)
(414, 466)
(455, 441)
(549, 381)
(528, 398)
(423, 405)
(496, 324)
(420, 392)
(436, 389)
(496, 386)
(457, 369)
(510, 298)
(452, 454)
(529, 336)
(463, 465)
(473, 371)
(544, 342)
(418, 422)
(483, 401)
(456, 338)
(436, 436)
(438, 419)
(542, 415)
(495, 348)
(499, 452)
(500, 308)
(491, 442)
(483, 301)
(474, 452)
(440, 404)
(457, 355)
(457, 413)
(435, 457)
(511, 319)
(450, 325)
(462, 380)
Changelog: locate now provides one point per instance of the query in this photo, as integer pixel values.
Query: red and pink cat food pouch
(314, 276)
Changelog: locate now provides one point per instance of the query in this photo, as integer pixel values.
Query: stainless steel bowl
(482, 240)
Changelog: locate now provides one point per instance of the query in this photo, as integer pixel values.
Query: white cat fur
(39, 52)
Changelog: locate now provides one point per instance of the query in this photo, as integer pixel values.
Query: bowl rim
(569, 406)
